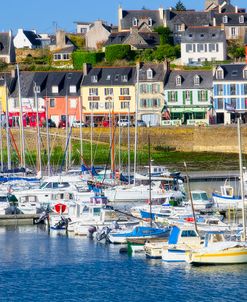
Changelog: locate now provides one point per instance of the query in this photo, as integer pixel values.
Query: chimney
(13, 73)
(120, 17)
(236, 9)
(60, 39)
(166, 65)
(86, 68)
(214, 21)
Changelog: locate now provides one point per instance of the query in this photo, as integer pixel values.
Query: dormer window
(134, 22)
(241, 19)
(54, 89)
(219, 74)
(108, 77)
(72, 89)
(150, 22)
(225, 19)
(245, 73)
(124, 78)
(149, 74)
(116, 77)
(94, 78)
(178, 80)
(196, 80)
(36, 89)
(1, 77)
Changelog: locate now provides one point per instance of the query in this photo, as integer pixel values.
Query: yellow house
(107, 92)
(3, 93)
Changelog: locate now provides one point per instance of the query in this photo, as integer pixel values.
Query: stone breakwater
(185, 139)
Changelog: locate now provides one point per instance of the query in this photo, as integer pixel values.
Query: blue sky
(45, 15)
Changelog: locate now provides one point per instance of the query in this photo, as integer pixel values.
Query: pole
(150, 181)
(129, 144)
(1, 136)
(113, 141)
(66, 128)
(39, 166)
(48, 140)
(136, 117)
(119, 145)
(241, 180)
(81, 143)
(91, 139)
(22, 137)
(7, 129)
(190, 196)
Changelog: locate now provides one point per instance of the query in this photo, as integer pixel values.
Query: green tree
(117, 52)
(236, 49)
(167, 52)
(78, 40)
(180, 6)
(165, 35)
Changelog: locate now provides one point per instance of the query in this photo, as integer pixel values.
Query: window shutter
(199, 96)
(191, 100)
(176, 96)
(184, 96)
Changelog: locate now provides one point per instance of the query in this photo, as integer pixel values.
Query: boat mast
(136, 116)
(1, 136)
(81, 144)
(22, 137)
(129, 144)
(7, 128)
(39, 166)
(150, 181)
(119, 144)
(190, 196)
(66, 128)
(241, 180)
(48, 139)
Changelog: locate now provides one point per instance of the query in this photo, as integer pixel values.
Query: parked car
(62, 124)
(51, 123)
(124, 123)
(77, 124)
(140, 123)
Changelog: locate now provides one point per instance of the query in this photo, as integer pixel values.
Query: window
(149, 74)
(245, 89)
(108, 91)
(219, 74)
(225, 19)
(245, 73)
(108, 77)
(116, 77)
(200, 47)
(232, 89)
(73, 103)
(233, 31)
(52, 103)
(196, 80)
(125, 105)
(94, 78)
(54, 89)
(188, 233)
(189, 48)
(178, 27)
(109, 105)
(93, 105)
(187, 95)
(219, 89)
(66, 56)
(202, 95)
(124, 91)
(124, 78)
(16, 103)
(241, 19)
(212, 47)
(134, 22)
(172, 96)
(178, 80)
(57, 57)
(93, 91)
(150, 22)
(72, 89)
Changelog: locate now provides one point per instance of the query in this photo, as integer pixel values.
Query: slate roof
(191, 18)
(203, 34)
(129, 15)
(232, 72)
(159, 72)
(6, 77)
(233, 19)
(4, 43)
(108, 76)
(32, 37)
(151, 38)
(206, 79)
(45, 80)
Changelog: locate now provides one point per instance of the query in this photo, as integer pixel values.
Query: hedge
(80, 57)
(117, 52)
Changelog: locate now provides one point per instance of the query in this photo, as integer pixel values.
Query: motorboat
(226, 199)
(218, 250)
(200, 200)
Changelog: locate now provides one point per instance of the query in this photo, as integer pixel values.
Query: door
(55, 119)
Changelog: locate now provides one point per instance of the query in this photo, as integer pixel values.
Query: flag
(166, 112)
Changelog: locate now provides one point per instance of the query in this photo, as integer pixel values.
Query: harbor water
(37, 266)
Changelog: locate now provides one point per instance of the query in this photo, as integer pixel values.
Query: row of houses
(203, 35)
(158, 95)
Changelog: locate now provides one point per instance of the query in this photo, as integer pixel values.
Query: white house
(27, 39)
(201, 44)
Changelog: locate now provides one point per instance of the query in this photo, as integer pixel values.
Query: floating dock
(18, 219)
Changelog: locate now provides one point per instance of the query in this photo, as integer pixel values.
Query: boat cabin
(212, 237)
(183, 236)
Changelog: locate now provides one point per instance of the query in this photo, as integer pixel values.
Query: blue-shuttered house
(230, 92)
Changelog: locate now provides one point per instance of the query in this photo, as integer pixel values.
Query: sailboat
(216, 249)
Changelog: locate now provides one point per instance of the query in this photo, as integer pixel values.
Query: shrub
(81, 57)
(117, 52)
